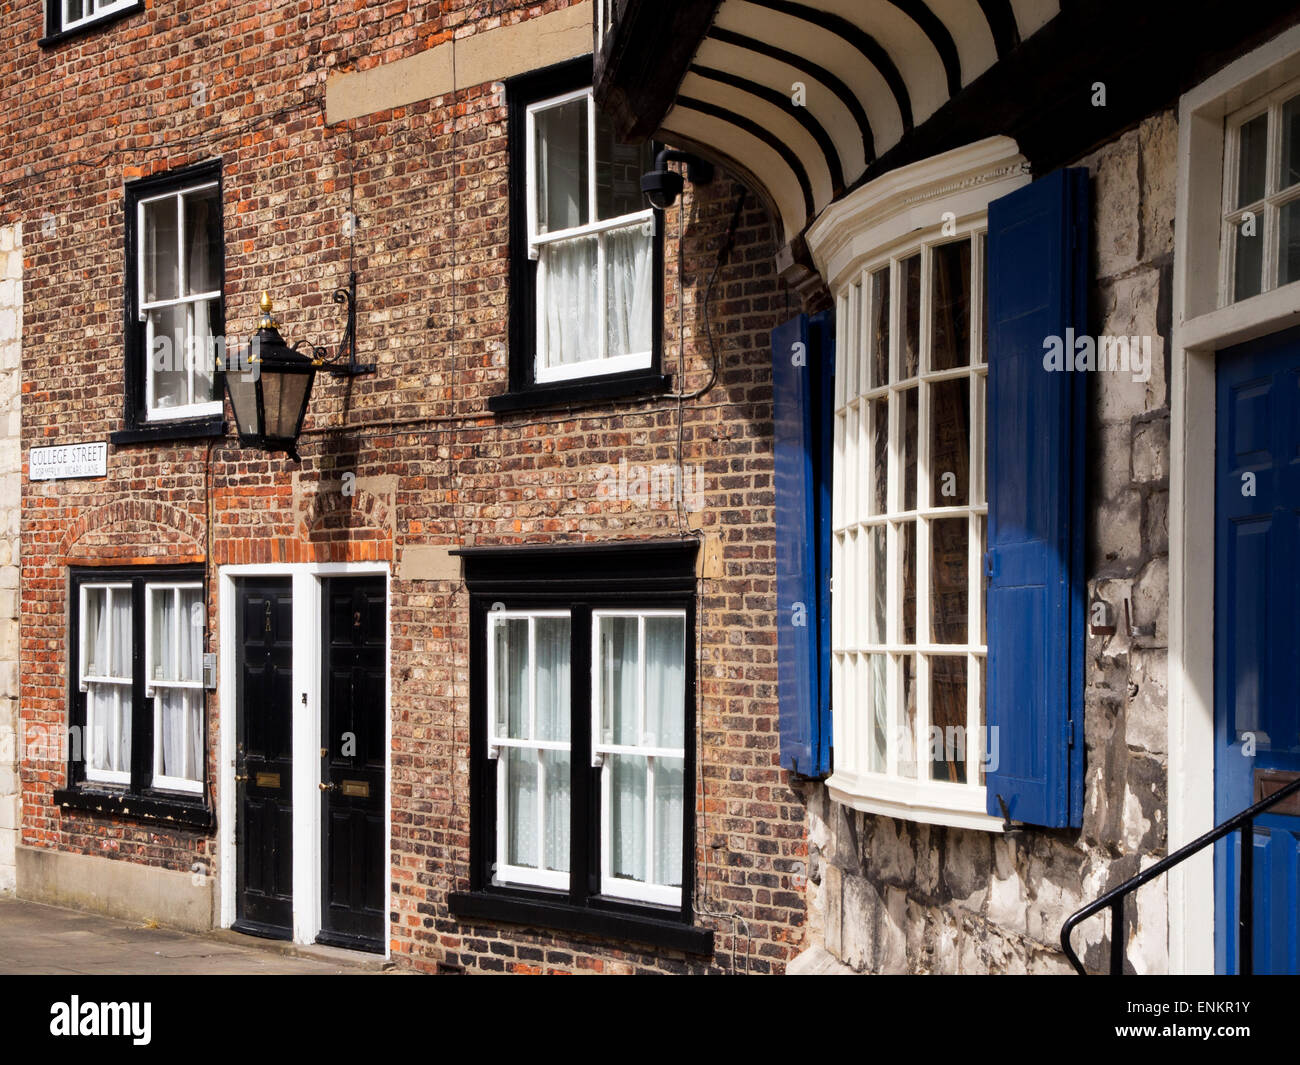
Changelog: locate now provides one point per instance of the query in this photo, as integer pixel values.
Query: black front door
(353, 776)
(264, 759)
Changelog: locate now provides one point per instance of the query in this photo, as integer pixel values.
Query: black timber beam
(643, 59)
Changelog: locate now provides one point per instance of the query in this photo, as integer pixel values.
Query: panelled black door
(353, 776)
(264, 759)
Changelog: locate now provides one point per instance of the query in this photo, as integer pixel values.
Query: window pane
(982, 350)
(567, 328)
(108, 727)
(1290, 143)
(162, 634)
(949, 559)
(562, 175)
(629, 255)
(950, 306)
(982, 750)
(910, 348)
(204, 343)
(556, 812)
(120, 623)
(1288, 252)
(879, 498)
(1250, 163)
(94, 640)
(618, 172)
(552, 643)
(907, 551)
(948, 718)
(182, 732)
(627, 818)
(878, 712)
(1247, 280)
(910, 442)
(950, 443)
(878, 328)
(521, 807)
(73, 10)
(191, 644)
(669, 796)
(510, 685)
(665, 681)
(161, 243)
(877, 540)
(618, 680)
(907, 720)
(168, 355)
(202, 242)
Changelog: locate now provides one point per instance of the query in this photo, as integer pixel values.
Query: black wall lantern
(270, 386)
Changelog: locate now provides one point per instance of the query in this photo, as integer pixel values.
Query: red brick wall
(429, 184)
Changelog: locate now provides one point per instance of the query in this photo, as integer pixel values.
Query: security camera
(662, 186)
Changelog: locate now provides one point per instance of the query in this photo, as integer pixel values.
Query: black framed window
(582, 691)
(71, 18)
(175, 310)
(586, 250)
(137, 736)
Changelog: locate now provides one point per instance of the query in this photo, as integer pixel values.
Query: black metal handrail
(1114, 899)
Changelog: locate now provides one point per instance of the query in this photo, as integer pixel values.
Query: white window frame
(505, 872)
(151, 591)
(913, 208)
(610, 885)
(99, 9)
(603, 364)
(1268, 209)
(154, 413)
(86, 679)
(851, 652)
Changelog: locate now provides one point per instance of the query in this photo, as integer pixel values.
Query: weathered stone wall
(11, 328)
(895, 896)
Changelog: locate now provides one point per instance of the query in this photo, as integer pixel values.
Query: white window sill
(163, 415)
(177, 784)
(592, 368)
(926, 802)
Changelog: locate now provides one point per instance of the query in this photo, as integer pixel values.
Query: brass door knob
(240, 777)
(327, 787)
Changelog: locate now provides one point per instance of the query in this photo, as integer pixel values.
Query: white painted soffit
(870, 71)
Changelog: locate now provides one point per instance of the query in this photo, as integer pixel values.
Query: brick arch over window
(134, 530)
(347, 528)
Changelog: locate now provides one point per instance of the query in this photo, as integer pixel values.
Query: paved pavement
(36, 939)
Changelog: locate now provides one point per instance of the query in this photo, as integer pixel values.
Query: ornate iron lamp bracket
(344, 362)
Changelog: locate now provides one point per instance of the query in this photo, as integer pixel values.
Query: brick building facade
(398, 468)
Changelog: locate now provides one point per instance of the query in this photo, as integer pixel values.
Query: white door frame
(306, 578)
(1200, 329)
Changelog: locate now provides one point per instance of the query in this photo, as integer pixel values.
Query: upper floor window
(586, 252)
(593, 240)
(1260, 249)
(175, 277)
(67, 17)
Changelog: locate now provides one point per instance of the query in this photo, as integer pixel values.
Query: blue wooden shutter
(802, 367)
(1037, 288)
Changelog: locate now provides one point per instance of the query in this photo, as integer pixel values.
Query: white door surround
(1200, 329)
(306, 579)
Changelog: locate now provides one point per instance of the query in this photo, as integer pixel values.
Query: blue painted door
(1256, 637)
